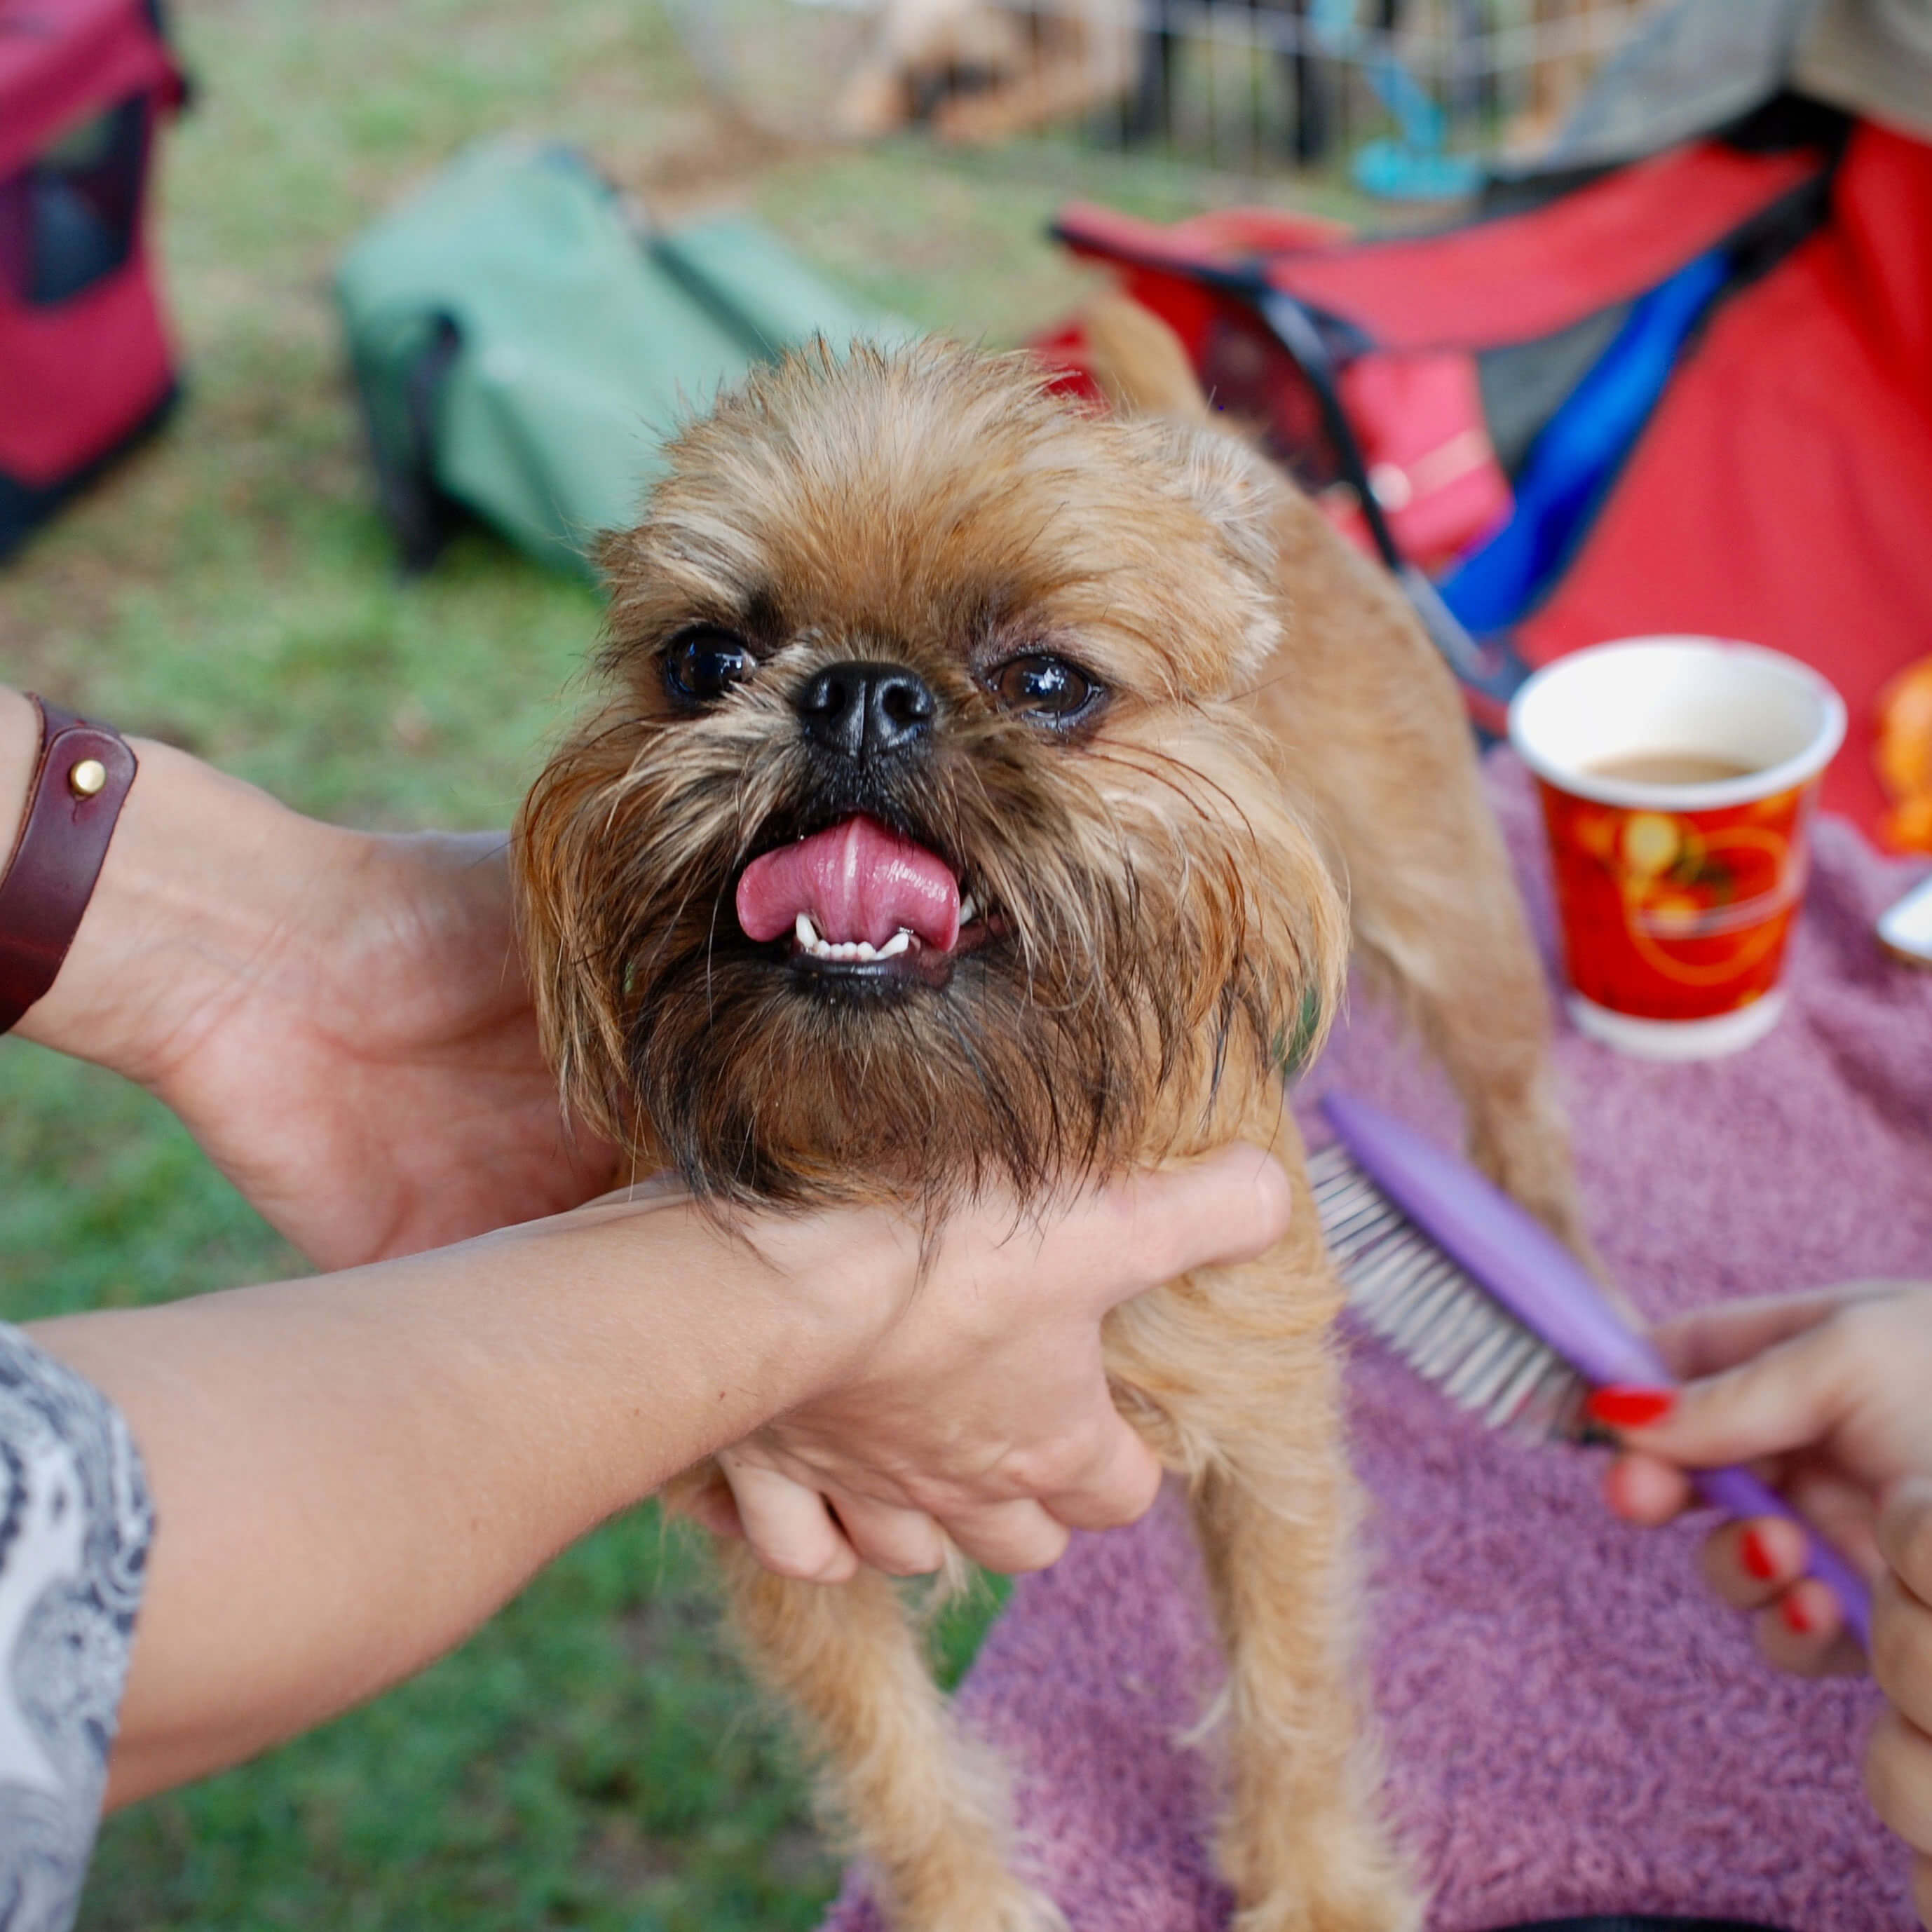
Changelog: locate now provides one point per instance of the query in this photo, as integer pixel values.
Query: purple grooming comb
(1482, 1301)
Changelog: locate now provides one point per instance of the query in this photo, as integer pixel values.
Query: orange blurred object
(1903, 757)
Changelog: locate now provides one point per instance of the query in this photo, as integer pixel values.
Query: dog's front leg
(922, 1806)
(1230, 1375)
(1301, 1841)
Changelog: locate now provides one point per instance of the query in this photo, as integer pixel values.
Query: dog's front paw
(1371, 1900)
(1029, 1911)
(1342, 1873)
(1002, 1906)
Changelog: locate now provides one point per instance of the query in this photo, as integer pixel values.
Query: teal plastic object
(522, 350)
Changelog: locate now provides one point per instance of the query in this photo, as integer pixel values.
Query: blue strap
(1572, 464)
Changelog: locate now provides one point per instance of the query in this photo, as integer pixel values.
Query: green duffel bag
(522, 349)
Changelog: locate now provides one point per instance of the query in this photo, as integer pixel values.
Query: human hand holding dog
(1834, 1389)
(351, 1472)
(340, 1019)
(982, 1415)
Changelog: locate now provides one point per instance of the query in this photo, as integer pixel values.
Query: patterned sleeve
(76, 1524)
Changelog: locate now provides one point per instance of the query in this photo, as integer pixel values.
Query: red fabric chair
(1783, 491)
(86, 366)
(1779, 489)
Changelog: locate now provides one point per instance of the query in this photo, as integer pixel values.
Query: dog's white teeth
(969, 909)
(808, 939)
(861, 950)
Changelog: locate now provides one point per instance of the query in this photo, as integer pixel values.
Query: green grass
(594, 1756)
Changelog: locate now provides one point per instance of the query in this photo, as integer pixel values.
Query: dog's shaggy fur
(1273, 754)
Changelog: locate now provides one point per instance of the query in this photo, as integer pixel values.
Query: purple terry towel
(1572, 1725)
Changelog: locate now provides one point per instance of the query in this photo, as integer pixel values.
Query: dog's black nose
(866, 710)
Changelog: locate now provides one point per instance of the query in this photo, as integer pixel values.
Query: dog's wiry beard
(1139, 951)
(1159, 926)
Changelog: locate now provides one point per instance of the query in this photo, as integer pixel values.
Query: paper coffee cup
(1678, 776)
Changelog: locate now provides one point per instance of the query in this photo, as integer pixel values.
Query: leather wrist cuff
(78, 784)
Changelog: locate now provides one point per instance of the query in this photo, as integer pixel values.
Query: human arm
(350, 1474)
(340, 1018)
(1833, 1392)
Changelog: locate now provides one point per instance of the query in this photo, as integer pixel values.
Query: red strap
(1490, 282)
(1516, 278)
(75, 797)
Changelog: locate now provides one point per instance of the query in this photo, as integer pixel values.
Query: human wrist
(19, 739)
(202, 870)
(787, 1307)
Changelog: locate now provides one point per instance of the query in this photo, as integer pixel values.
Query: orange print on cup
(1675, 916)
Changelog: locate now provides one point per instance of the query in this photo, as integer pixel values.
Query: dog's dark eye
(1045, 688)
(704, 664)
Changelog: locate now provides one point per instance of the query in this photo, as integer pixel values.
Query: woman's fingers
(1727, 1333)
(1902, 1608)
(1898, 1763)
(1898, 1778)
(790, 1527)
(1010, 1537)
(1646, 1489)
(1803, 1631)
(1787, 1398)
(1759, 1566)
(1146, 1229)
(1114, 1483)
(1750, 1565)
(715, 1508)
(901, 1542)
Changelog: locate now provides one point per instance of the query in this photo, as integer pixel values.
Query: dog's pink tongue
(857, 881)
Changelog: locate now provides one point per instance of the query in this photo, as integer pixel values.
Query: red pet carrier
(1689, 393)
(86, 366)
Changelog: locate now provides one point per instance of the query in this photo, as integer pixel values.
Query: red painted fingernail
(1758, 1559)
(1621, 1406)
(1791, 1607)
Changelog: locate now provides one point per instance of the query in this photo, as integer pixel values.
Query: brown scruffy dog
(987, 793)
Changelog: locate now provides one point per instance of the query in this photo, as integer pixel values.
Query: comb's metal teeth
(1325, 1163)
(1406, 1297)
(1548, 1400)
(1434, 1315)
(1384, 1274)
(1507, 1407)
(1498, 1337)
(1342, 1194)
(1393, 1265)
(1416, 1308)
(1349, 1187)
(1352, 1234)
(1441, 1316)
(1354, 1220)
(1571, 1422)
(1463, 1322)
(1499, 1371)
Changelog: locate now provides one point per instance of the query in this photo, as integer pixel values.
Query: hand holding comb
(1480, 1299)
